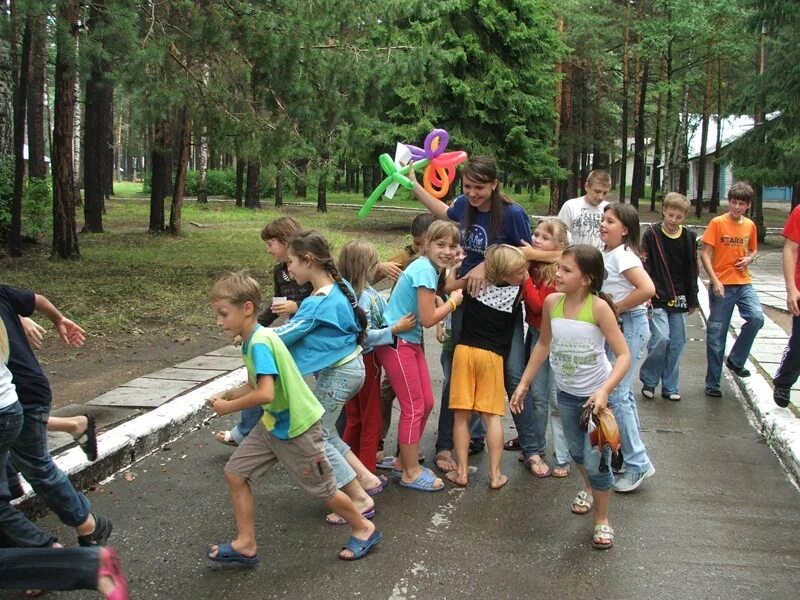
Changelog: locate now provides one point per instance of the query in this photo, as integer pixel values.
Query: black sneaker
(740, 371)
(713, 393)
(781, 396)
(100, 535)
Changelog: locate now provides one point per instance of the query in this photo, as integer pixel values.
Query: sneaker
(648, 392)
(740, 371)
(674, 397)
(781, 396)
(713, 393)
(630, 481)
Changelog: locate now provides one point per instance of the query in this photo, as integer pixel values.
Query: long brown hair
(590, 263)
(358, 262)
(310, 244)
(483, 170)
(629, 217)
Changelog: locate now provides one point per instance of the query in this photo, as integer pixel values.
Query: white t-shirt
(8, 393)
(616, 285)
(583, 221)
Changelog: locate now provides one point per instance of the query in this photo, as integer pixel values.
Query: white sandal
(582, 500)
(225, 437)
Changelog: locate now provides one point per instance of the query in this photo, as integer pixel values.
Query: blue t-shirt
(32, 386)
(516, 226)
(420, 273)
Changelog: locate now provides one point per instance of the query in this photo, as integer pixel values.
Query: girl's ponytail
(361, 316)
(608, 300)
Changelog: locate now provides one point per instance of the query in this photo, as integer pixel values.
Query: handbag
(677, 302)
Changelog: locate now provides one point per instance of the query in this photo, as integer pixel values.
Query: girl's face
(543, 239)
(612, 231)
(458, 257)
(299, 267)
(478, 193)
(277, 249)
(568, 277)
(441, 251)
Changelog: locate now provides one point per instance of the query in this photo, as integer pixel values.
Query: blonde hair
(440, 230)
(280, 229)
(599, 177)
(558, 229)
(503, 262)
(358, 262)
(3, 342)
(676, 201)
(237, 288)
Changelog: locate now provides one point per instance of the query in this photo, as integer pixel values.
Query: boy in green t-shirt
(289, 432)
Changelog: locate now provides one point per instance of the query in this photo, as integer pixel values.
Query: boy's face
(417, 242)
(233, 318)
(673, 219)
(277, 249)
(517, 278)
(737, 208)
(596, 193)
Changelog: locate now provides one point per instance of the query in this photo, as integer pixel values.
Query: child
(582, 215)
(324, 337)
(29, 453)
(789, 368)
(630, 287)
(730, 246)
(404, 361)
(577, 322)
(276, 235)
(669, 251)
(477, 384)
(357, 264)
(550, 235)
(289, 433)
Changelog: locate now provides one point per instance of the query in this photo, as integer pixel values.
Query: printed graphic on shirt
(477, 240)
(732, 241)
(567, 356)
(499, 298)
(586, 228)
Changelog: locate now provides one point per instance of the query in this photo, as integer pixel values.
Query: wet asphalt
(720, 519)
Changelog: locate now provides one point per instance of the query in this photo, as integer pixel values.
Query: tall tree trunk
(279, 184)
(65, 235)
(108, 153)
(184, 146)
(367, 180)
(202, 188)
(701, 163)
(160, 174)
(252, 197)
(322, 191)
(300, 187)
(240, 168)
(713, 203)
(623, 167)
(655, 175)
(7, 77)
(37, 168)
(795, 195)
(20, 103)
(680, 166)
(668, 178)
(757, 212)
(639, 148)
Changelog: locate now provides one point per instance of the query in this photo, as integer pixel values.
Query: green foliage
(6, 194)
(37, 208)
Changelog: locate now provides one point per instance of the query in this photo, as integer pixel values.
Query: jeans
(247, 420)
(667, 341)
(49, 568)
(531, 440)
(789, 368)
(32, 457)
(334, 387)
(17, 531)
(579, 446)
(622, 400)
(743, 297)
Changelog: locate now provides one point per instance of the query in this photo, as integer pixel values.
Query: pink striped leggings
(407, 371)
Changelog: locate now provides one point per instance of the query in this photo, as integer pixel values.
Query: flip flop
(360, 548)
(227, 555)
(88, 440)
(396, 474)
(512, 444)
(378, 488)
(387, 464)
(560, 471)
(532, 462)
(110, 567)
(423, 483)
(337, 520)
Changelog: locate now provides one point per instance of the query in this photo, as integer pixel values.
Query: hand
(692, 310)
(412, 175)
(390, 269)
(70, 333)
(599, 399)
(517, 400)
(457, 296)
(237, 341)
(441, 333)
(718, 289)
(743, 263)
(288, 307)
(33, 331)
(793, 302)
(405, 323)
(218, 404)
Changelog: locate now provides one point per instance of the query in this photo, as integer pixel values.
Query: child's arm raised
(429, 315)
(70, 333)
(263, 394)
(539, 354)
(437, 207)
(545, 256)
(607, 322)
(645, 289)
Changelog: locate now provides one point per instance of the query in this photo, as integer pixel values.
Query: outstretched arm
(70, 333)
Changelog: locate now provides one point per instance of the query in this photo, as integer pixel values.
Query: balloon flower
(395, 176)
(441, 169)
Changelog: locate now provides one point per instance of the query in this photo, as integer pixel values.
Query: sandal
(512, 444)
(335, 519)
(100, 535)
(225, 437)
(535, 461)
(603, 537)
(110, 567)
(561, 471)
(228, 555)
(444, 462)
(424, 483)
(583, 500)
(374, 491)
(360, 548)
(88, 440)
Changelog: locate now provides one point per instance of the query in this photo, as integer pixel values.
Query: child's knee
(234, 480)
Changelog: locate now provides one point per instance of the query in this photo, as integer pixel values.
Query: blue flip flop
(378, 488)
(337, 520)
(424, 482)
(227, 555)
(360, 548)
(396, 474)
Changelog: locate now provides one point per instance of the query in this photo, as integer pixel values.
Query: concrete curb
(129, 442)
(779, 426)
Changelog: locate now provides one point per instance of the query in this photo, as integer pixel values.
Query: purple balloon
(418, 153)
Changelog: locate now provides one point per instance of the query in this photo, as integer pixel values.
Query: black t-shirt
(32, 386)
(489, 319)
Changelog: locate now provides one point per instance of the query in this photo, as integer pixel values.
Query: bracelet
(453, 304)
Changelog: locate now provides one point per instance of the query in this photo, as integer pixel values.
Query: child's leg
(494, 441)
(670, 379)
(242, 501)
(370, 410)
(653, 366)
(750, 310)
(719, 320)
(461, 437)
(387, 399)
(352, 430)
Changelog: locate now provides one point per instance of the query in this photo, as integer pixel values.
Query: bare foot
(246, 550)
(498, 482)
(444, 462)
(454, 477)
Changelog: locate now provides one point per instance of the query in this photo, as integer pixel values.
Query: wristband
(453, 304)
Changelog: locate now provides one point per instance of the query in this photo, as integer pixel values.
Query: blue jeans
(49, 568)
(247, 420)
(579, 447)
(530, 441)
(743, 297)
(15, 529)
(667, 341)
(532, 421)
(622, 400)
(32, 457)
(334, 387)
(789, 368)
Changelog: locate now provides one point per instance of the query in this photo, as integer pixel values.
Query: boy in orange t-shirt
(729, 248)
